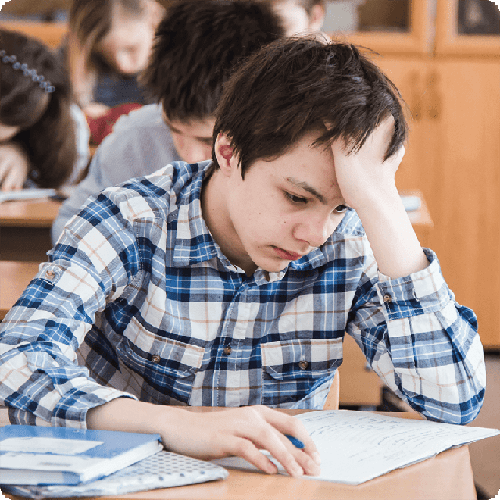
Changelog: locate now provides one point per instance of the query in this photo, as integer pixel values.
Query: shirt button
(50, 275)
(227, 350)
(156, 358)
(387, 298)
(303, 365)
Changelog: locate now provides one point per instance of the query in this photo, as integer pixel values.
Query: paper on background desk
(26, 194)
(358, 446)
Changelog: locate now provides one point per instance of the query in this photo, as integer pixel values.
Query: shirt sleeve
(139, 145)
(96, 258)
(423, 345)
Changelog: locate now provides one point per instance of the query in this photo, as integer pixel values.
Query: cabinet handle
(415, 103)
(435, 101)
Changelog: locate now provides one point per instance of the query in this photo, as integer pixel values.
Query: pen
(296, 442)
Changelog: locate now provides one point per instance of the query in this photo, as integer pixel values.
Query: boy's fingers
(247, 450)
(294, 460)
(289, 425)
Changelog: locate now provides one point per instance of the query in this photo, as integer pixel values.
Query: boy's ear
(224, 152)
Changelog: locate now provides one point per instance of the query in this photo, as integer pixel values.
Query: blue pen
(296, 442)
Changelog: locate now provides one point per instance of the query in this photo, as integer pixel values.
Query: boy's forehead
(199, 127)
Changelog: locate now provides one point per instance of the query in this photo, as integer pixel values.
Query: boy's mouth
(283, 254)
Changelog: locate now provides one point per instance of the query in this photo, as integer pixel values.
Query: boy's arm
(422, 344)
(368, 185)
(207, 435)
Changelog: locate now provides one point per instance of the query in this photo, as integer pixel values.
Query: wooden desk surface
(29, 213)
(14, 278)
(448, 476)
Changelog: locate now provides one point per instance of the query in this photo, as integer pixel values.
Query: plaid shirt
(137, 300)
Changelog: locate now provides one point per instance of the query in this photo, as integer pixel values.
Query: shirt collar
(194, 244)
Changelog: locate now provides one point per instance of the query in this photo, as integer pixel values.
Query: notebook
(162, 470)
(358, 446)
(31, 455)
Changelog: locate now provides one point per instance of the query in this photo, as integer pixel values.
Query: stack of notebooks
(59, 462)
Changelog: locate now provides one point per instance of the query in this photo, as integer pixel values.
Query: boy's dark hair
(297, 85)
(196, 47)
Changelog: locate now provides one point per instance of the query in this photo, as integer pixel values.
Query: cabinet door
(453, 158)
(412, 78)
(386, 26)
(465, 195)
(468, 27)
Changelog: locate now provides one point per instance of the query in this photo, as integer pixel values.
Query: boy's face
(282, 210)
(192, 139)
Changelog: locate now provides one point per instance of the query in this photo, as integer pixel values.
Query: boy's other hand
(243, 432)
(14, 166)
(363, 176)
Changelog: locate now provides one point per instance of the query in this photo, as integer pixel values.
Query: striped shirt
(137, 300)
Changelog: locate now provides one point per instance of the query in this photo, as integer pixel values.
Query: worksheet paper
(358, 446)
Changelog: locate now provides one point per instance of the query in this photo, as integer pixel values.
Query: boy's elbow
(453, 413)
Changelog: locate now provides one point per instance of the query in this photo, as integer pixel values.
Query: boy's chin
(276, 267)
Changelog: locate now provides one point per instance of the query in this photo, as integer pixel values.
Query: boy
(232, 282)
(196, 46)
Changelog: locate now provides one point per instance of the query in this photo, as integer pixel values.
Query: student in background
(109, 43)
(232, 282)
(193, 55)
(300, 16)
(39, 144)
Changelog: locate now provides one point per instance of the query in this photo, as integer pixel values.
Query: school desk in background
(25, 224)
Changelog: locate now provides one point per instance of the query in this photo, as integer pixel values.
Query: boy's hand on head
(14, 166)
(243, 432)
(363, 176)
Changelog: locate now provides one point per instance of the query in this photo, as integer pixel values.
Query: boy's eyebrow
(177, 131)
(306, 187)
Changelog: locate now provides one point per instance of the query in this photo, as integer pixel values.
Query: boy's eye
(340, 209)
(295, 199)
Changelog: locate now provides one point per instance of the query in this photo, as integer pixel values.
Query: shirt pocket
(168, 367)
(292, 368)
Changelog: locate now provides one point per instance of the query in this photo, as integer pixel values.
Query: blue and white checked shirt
(137, 300)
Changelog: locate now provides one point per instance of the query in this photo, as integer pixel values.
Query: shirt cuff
(418, 293)
(71, 410)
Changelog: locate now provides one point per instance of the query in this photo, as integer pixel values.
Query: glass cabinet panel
(468, 27)
(478, 17)
(386, 16)
(387, 26)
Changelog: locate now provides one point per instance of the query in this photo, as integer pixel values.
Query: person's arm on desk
(236, 431)
(14, 166)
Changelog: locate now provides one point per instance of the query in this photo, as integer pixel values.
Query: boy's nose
(314, 231)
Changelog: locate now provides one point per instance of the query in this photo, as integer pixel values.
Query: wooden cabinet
(446, 63)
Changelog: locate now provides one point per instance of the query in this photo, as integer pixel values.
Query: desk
(25, 229)
(14, 278)
(448, 476)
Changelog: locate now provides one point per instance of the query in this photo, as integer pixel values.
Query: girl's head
(115, 33)
(30, 73)
(35, 107)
